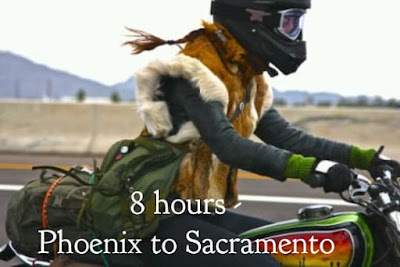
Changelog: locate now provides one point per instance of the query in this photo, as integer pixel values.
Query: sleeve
(218, 133)
(274, 129)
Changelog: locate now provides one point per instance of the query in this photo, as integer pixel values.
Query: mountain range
(23, 79)
(296, 97)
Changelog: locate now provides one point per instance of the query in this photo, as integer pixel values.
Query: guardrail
(65, 128)
(92, 128)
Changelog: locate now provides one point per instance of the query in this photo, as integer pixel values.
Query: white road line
(10, 187)
(250, 198)
(295, 200)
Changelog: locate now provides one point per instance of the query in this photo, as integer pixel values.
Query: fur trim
(187, 132)
(265, 97)
(268, 99)
(155, 114)
(253, 111)
(156, 117)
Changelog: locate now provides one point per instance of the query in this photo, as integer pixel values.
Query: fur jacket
(215, 63)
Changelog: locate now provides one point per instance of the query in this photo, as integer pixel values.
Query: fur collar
(155, 114)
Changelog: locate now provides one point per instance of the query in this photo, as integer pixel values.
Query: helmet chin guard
(269, 30)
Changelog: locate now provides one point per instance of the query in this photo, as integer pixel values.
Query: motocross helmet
(269, 30)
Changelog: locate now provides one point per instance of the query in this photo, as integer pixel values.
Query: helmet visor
(291, 23)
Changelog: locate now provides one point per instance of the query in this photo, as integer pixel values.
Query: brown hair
(144, 41)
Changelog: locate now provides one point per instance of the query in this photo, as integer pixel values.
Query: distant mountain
(126, 89)
(294, 97)
(22, 78)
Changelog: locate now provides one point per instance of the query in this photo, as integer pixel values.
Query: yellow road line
(25, 166)
(253, 176)
(15, 166)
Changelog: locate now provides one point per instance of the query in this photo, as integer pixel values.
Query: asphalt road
(260, 196)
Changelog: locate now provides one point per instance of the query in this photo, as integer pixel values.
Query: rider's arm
(275, 130)
(214, 128)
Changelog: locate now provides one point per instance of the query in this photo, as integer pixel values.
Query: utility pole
(49, 89)
(17, 91)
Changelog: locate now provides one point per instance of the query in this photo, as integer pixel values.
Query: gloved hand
(380, 163)
(332, 176)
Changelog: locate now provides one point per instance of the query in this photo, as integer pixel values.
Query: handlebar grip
(316, 180)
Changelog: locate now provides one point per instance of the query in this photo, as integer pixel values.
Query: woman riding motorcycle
(212, 96)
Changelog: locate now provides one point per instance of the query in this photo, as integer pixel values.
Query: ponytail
(144, 41)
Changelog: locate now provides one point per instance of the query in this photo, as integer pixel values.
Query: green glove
(332, 176)
(299, 167)
(361, 158)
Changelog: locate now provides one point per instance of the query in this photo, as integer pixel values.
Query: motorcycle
(367, 238)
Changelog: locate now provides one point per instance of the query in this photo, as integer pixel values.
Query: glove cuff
(361, 158)
(299, 167)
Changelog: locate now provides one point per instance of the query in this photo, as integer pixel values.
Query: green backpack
(96, 204)
(53, 201)
(130, 166)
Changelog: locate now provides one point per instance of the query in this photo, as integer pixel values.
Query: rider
(213, 96)
(214, 91)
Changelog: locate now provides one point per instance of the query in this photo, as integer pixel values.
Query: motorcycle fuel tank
(318, 238)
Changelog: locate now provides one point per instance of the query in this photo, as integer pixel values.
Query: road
(259, 196)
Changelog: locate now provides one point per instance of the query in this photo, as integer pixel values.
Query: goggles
(288, 23)
(291, 23)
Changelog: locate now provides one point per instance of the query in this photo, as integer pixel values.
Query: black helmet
(269, 30)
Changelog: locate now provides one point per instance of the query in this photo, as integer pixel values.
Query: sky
(353, 45)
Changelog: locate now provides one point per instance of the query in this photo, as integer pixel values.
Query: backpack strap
(146, 142)
(57, 169)
(242, 104)
(236, 113)
(45, 222)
